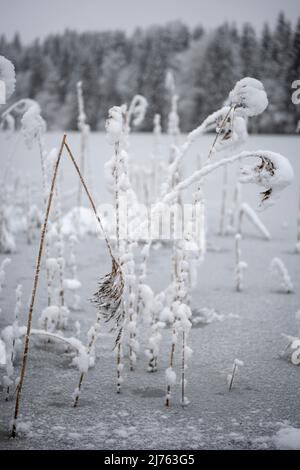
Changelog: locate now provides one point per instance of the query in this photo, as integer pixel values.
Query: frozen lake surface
(265, 396)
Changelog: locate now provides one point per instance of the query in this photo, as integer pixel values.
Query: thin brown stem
(219, 131)
(118, 367)
(90, 199)
(34, 290)
(232, 377)
(183, 370)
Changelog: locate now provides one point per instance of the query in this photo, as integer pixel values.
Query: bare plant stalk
(81, 378)
(183, 369)
(90, 199)
(118, 367)
(34, 290)
(223, 202)
(232, 377)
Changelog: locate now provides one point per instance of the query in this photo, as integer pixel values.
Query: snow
(80, 222)
(2, 353)
(249, 95)
(170, 376)
(281, 273)
(274, 173)
(239, 363)
(267, 392)
(72, 284)
(114, 124)
(137, 109)
(253, 217)
(33, 124)
(287, 438)
(8, 76)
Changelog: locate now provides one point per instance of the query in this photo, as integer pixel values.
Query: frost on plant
(8, 76)
(274, 173)
(281, 275)
(246, 210)
(33, 124)
(249, 96)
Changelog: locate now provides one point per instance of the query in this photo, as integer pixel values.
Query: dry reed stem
(115, 264)
(34, 290)
(183, 369)
(90, 200)
(219, 131)
(118, 367)
(232, 377)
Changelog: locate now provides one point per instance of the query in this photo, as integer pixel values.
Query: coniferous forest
(115, 66)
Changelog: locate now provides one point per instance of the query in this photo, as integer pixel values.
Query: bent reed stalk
(34, 290)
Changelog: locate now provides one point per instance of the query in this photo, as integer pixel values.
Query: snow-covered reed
(281, 275)
(223, 201)
(72, 283)
(87, 358)
(7, 76)
(7, 239)
(233, 212)
(240, 265)
(34, 291)
(84, 130)
(297, 247)
(155, 337)
(3, 266)
(181, 314)
(11, 342)
(246, 210)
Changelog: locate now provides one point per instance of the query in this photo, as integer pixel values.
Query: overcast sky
(37, 18)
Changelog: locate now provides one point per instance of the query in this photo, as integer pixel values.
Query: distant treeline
(114, 66)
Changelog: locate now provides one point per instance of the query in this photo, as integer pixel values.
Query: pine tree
(248, 51)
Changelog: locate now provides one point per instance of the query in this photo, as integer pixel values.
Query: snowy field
(262, 408)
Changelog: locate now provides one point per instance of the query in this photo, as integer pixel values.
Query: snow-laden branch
(273, 172)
